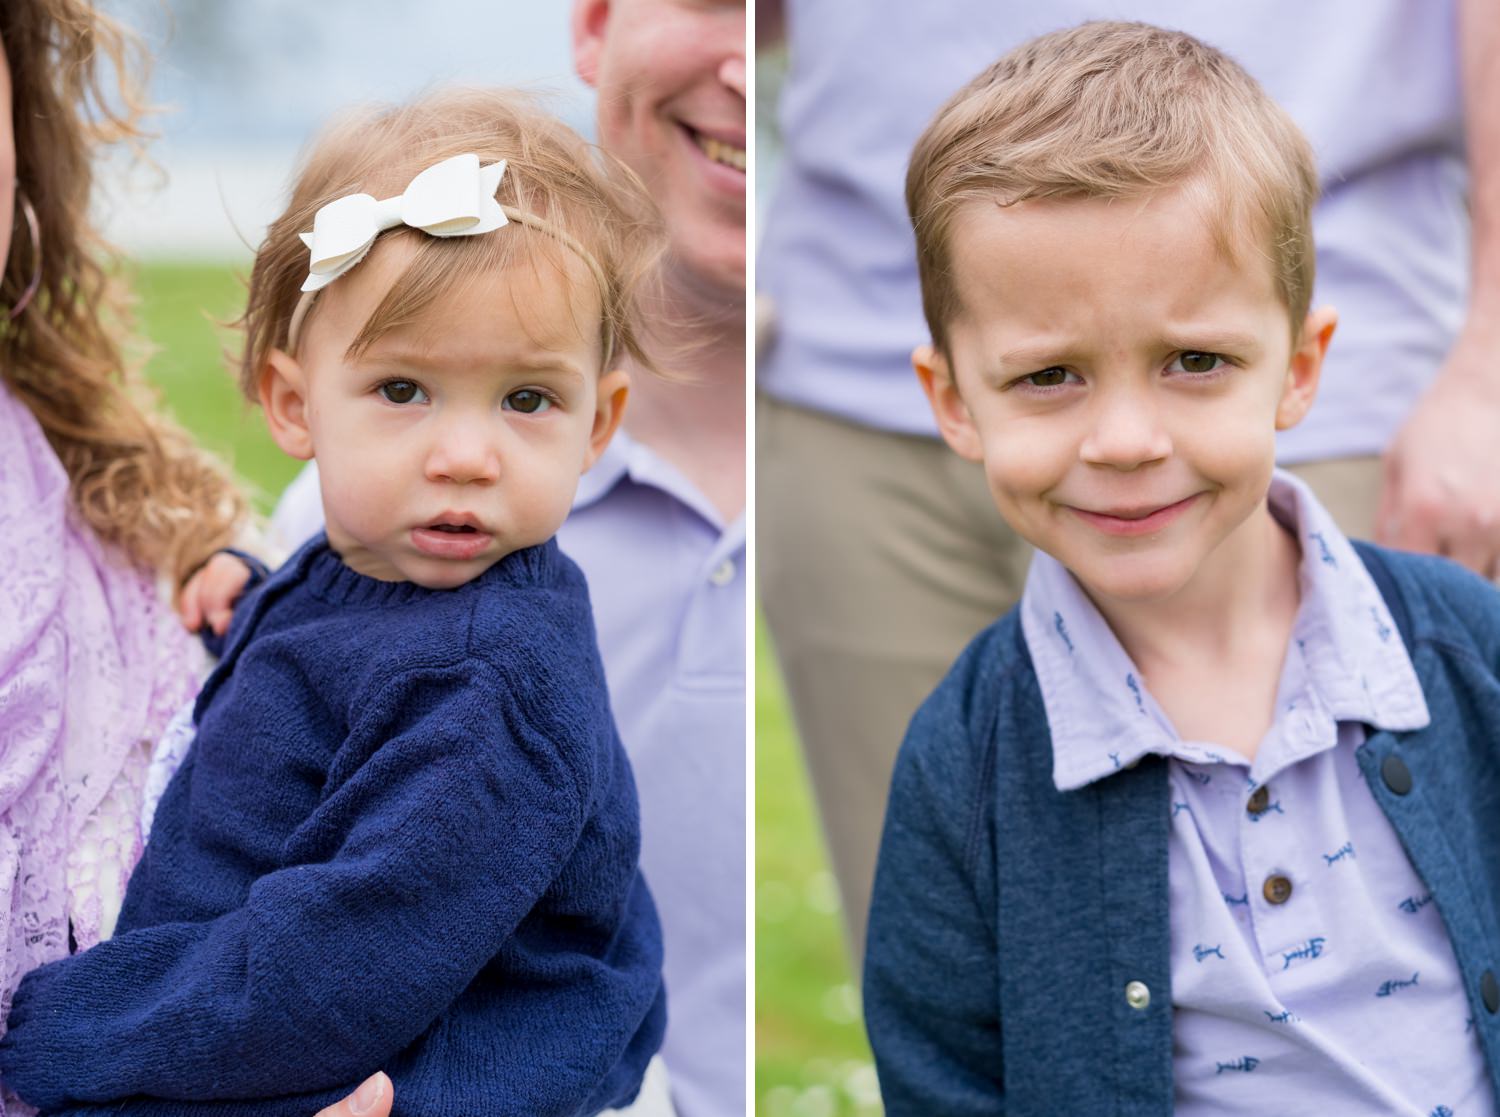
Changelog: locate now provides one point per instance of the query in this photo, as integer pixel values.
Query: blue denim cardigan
(997, 897)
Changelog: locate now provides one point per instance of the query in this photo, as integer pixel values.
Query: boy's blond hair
(552, 176)
(1110, 109)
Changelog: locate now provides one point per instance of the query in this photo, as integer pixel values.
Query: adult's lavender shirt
(1373, 83)
(667, 580)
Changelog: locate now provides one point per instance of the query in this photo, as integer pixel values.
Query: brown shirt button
(1260, 799)
(1277, 889)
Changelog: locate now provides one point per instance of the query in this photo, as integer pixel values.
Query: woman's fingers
(372, 1099)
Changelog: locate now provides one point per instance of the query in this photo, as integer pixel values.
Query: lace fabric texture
(92, 665)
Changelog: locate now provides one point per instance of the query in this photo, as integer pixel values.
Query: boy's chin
(1138, 580)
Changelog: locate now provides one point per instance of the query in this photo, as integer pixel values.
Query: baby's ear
(1306, 366)
(609, 409)
(948, 407)
(283, 397)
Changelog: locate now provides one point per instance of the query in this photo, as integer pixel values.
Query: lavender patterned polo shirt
(1310, 970)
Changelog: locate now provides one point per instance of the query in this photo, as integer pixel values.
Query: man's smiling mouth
(719, 151)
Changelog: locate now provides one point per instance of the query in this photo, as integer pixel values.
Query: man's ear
(609, 409)
(1306, 366)
(589, 19)
(283, 397)
(948, 407)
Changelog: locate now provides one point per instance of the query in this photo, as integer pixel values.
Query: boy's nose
(1126, 431)
(463, 454)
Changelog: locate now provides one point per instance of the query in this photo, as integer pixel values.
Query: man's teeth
(720, 152)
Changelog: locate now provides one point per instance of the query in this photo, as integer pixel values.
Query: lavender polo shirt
(1311, 972)
(667, 581)
(1373, 83)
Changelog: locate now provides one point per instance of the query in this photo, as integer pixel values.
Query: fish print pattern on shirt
(1201, 777)
(1236, 901)
(1286, 1016)
(1312, 948)
(1135, 689)
(1389, 987)
(1245, 1063)
(1323, 552)
(1276, 806)
(1442, 1111)
(1201, 952)
(1062, 630)
(1345, 850)
(1413, 904)
(1382, 629)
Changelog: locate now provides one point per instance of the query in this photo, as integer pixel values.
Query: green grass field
(811, 1056)
(811, 1059)
(180, 308)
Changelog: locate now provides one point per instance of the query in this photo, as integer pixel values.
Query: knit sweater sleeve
(931, 977)
(458, 810)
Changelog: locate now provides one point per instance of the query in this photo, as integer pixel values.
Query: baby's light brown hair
(1108, 110)
(553, 179)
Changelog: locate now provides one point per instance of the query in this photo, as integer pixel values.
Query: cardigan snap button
(1489, 989)
(1138, 997)
(1396, 774)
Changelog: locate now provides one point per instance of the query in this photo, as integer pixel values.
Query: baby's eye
(1048, 378)
(401, 391)
(1193, 361)
(527, 401)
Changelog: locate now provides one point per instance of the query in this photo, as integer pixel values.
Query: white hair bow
(454, 198)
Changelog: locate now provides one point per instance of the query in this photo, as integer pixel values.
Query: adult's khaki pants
(879, 557)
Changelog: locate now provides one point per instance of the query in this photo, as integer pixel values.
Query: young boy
(1208, 823)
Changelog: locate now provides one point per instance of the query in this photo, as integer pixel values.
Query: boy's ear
(589, 19)
(609, 409)
(1306, 366)
(948, 407)
(283, 397)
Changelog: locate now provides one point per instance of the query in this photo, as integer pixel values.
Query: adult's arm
(1441, 492)
(931, 961)
(458, 820)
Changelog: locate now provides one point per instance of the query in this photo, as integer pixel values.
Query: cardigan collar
(1346, 663)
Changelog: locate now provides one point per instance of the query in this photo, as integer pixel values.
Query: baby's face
(452, 442)
(1122, 382)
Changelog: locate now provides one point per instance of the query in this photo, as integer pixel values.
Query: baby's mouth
(456, 529)
(720, 152)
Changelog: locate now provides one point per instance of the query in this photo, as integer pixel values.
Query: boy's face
(1122, 382)
(450, 443)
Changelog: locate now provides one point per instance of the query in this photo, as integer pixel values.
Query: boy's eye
(1048, 378)
(1192, 361)
(527, 401)
(401, 391)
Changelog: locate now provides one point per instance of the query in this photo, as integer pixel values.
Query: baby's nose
(463, 453)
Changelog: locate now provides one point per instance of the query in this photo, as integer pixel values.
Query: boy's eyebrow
(1190, 339)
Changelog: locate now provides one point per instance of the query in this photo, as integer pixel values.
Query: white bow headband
(453, 198)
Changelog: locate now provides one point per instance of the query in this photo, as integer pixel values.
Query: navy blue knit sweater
(405, 838)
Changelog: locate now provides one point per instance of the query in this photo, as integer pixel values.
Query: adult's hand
(373, 1098)
(1441, 491)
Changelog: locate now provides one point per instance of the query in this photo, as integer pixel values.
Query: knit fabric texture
(406, 839)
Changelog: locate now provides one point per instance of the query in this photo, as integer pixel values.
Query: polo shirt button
(1396, 774)
(1260, 799)
(1489, 989)
(1277, 889)
(723, 574)
(1138, 997)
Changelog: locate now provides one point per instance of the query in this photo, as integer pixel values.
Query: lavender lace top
(92, 664)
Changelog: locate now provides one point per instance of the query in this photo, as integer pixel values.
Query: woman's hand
(208, 597)
(372, 1099)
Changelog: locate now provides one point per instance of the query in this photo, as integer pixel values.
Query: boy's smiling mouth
(1142, 520)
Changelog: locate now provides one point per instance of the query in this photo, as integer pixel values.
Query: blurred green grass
(811, 1058)
(179, 310)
